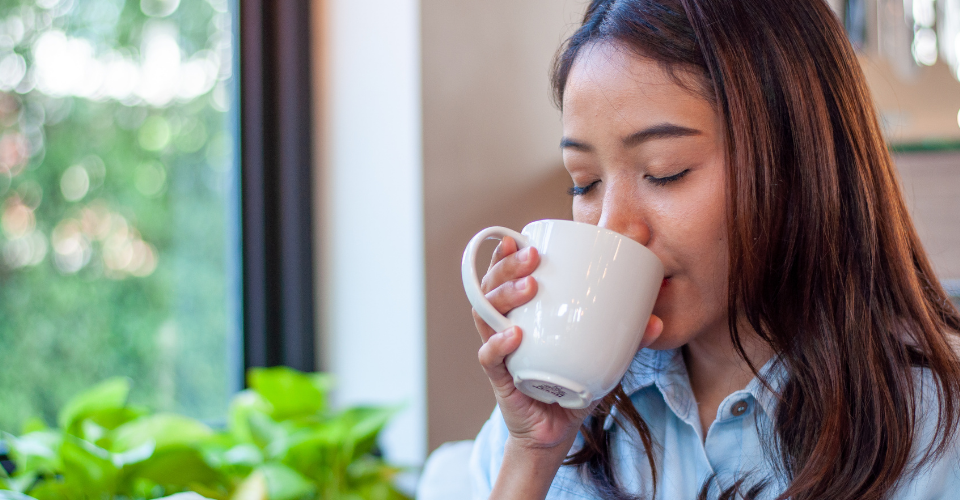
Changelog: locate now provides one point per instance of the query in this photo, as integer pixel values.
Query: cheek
(705, 242)
(696, 221)
(693, 235)
(586, 212)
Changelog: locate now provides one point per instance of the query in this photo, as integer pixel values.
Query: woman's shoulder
(934, 468)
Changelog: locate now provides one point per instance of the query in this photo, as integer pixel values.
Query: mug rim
(602, 230)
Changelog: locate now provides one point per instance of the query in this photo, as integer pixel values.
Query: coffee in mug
(596, 291)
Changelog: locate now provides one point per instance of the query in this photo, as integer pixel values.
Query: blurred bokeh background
(121, 249)
(116, 163)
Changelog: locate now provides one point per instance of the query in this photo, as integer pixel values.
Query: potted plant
(281, 442)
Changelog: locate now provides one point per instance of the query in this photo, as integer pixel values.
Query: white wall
(370, 195)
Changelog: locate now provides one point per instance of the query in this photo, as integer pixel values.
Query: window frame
(276, 170)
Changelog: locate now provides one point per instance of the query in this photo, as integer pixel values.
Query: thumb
(493, 354)
(653, 331)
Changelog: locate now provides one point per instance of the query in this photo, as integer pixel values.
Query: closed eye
(662, 181)
(581, 190)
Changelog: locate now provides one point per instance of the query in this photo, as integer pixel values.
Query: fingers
(508, 283)
(509, 264)
(506, 247)
(492, 354)
(511, 294)
(504, 299)
(652, 332)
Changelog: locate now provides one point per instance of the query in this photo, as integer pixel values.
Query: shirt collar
(667, 371)
(774, 372)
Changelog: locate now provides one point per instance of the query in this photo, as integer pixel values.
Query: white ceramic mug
(596, 291)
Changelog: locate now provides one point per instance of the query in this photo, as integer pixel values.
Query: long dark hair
(825, 264)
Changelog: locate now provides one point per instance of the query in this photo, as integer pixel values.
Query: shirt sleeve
(938, 479)
(487, 456)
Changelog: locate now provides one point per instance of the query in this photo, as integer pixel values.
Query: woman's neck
(716, 369)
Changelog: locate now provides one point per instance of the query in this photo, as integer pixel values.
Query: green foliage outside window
(115, 202)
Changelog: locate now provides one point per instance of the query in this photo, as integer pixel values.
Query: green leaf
(361, 425)
(177, 467)
(35, 452)
(113, 418)
(107, 395)
(376, 491)
(243, 454)
(238, 416)
(134, 455)
(56, 489)
(254, 487)
(290, 392)
(33, 424)
(315, 453)
(164, 430)
(90, 431)
(88, 465)
(137, 487)
(265, 431)
(369, 469)
(284, 483)
(22, 482)
(13, 495)
(322, 381)
(235, 462)
(368, 421)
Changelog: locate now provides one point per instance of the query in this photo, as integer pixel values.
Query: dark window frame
(276, 164)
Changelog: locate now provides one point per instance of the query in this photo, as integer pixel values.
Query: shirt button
(739, 408)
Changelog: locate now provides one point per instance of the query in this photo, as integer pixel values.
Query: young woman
(801, 346)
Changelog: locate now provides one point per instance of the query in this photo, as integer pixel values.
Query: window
(119, 204)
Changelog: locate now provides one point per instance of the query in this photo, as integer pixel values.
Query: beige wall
(916, 103)
(931, 187)
(491, 157)
(922, 109)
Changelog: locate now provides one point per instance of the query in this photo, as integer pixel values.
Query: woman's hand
(540, 434)
(507, 285)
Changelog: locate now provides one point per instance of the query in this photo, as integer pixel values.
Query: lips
(666, 281)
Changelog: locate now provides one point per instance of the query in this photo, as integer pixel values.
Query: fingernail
(510, 332)
(524, 255)
(521, 284)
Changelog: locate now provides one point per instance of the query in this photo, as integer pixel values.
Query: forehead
(607, 81)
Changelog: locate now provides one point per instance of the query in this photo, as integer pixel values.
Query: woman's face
(647, 160)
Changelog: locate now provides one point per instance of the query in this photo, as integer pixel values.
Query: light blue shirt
(659, 388)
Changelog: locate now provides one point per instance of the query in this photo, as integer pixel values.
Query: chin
(666, 341)
(676, 331)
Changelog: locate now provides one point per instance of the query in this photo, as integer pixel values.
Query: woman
(801, 346)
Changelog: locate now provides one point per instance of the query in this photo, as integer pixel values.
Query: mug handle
(471, 282)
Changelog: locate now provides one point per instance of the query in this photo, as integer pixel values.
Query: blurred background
(117, 196)
(189, 188)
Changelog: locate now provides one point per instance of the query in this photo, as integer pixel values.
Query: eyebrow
(658, 131)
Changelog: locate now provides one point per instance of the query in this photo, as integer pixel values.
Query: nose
(622, 212)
